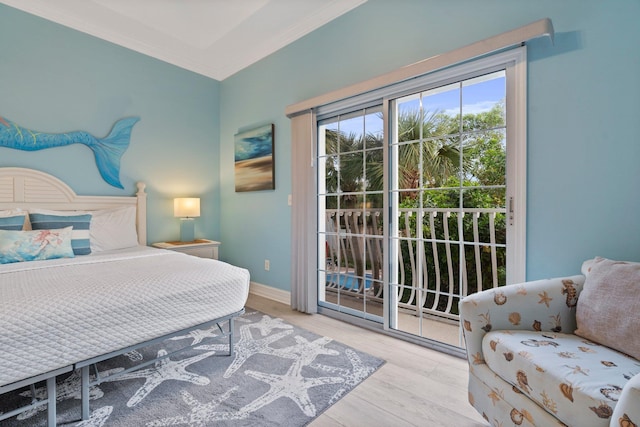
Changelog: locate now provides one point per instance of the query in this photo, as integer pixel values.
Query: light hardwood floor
(415, 387)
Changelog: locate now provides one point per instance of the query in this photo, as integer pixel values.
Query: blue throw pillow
(18, 246)
(80, 224)
(12, 222)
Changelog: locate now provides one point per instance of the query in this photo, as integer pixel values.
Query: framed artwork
(254, 159)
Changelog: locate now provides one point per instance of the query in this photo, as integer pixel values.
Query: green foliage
(435, 161)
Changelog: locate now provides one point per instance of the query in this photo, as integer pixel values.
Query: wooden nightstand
(202, 248)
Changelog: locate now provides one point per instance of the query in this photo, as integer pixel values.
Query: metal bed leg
(231, 336)
(51, 404)
(85, 392)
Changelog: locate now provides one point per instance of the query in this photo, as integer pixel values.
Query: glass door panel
(448, 186)
(350, 215)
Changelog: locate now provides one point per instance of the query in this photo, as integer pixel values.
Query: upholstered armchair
(528, 367)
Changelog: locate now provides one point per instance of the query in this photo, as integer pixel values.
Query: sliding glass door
(421, 198)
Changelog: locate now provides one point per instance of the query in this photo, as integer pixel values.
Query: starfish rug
(279, 375)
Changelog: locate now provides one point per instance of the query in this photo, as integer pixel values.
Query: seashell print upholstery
(528, 368)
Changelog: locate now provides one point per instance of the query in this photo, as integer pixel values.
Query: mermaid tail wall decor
(108, 150)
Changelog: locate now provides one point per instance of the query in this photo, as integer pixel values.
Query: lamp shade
(186, 207)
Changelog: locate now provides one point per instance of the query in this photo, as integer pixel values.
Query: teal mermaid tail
(108, 151)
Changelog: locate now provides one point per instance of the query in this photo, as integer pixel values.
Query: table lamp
(186, 208)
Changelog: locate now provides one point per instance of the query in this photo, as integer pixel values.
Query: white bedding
(59, 312)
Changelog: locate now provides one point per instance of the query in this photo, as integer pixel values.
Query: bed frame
(28, 188)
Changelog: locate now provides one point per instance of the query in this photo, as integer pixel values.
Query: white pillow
(113, 229)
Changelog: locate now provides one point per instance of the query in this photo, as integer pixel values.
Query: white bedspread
(59, 312)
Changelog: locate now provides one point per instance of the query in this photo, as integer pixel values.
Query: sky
(479, 94)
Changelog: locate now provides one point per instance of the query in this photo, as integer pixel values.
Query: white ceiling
(215, 38)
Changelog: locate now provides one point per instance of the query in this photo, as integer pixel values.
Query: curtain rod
(540, 28)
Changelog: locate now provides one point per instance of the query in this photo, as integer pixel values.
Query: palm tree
(351, 170)
(425, 140)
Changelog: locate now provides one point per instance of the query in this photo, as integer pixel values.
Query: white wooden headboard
(25, 188)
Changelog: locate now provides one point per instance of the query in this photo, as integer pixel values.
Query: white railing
(435, 267)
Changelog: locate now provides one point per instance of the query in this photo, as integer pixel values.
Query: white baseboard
(270, 293)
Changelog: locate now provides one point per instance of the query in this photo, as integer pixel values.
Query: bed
(67, 313)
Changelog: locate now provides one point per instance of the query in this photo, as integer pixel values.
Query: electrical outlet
(267, 264)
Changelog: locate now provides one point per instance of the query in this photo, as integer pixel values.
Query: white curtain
(304, 291)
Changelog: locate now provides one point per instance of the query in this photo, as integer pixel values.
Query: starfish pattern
(247, 346)
(291, 385)
(268, 324)
(163, 370)
(351, 377)
(134, 355)
(225, 347)
(199, 335)
(202, 414)
(243, 318)
(496, 395)
(579, 370)
(544, 298)
(306, 350)
(98, 417)
(68, 389)
(221, 348)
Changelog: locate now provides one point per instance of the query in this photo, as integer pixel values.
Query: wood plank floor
(415, 387)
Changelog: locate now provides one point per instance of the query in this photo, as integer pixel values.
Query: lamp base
(187, 230)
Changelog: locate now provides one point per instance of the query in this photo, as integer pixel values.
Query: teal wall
(584, 104)
(54, 79)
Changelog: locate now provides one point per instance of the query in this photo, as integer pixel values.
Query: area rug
(280, 375)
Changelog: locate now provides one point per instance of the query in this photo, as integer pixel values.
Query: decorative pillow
(608, 310)
(17, 246)
(113, 229)
(6, 213)
(12, 222)
(80, 224)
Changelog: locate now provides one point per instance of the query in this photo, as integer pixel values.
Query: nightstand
(202, 248)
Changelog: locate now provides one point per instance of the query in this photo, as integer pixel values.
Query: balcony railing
(442, 255)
